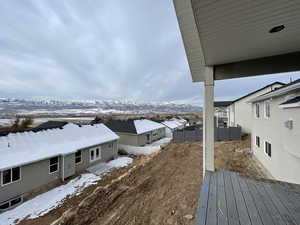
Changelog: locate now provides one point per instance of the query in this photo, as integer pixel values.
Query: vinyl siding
(284, 163)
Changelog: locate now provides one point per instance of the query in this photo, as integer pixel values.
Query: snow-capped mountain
(11, 107)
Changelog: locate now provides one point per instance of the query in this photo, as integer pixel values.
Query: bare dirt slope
(159, 189)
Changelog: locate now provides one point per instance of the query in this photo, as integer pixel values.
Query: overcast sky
(101, 50)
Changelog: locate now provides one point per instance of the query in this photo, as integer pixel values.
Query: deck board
(228, 198)
(221, 203)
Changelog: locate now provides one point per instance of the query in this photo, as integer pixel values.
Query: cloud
(99, 50)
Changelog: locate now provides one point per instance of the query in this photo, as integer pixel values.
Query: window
(268, 149)
(110, 145)
(257, 110)
(4, 206)
(10, 203)
(267, 109)
(53, 165)
(11, 175)
(78, 157)
(257, 141)
(15, 201)
(95, 154)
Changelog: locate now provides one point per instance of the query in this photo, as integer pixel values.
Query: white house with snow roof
(137, 132)
(31, 161)
(276, 131)
(172, 125)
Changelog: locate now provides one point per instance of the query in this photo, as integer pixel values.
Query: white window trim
(95, 158)
(11, 176)
(265, 109)
(57, 165)
(269, 157)
(80, 158)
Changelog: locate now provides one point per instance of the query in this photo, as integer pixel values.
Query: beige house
(137, 132)
(239, 109)
(276, 131)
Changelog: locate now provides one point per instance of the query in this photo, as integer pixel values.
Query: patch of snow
(103, 168)
(145, 150)
(44, 203)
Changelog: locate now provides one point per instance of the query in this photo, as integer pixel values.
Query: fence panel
(221, 134)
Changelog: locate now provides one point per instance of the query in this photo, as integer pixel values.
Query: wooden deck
(229, 198)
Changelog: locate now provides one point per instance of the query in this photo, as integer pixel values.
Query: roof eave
(276, 93)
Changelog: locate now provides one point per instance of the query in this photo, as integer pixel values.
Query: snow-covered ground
(145, 150)
(36, 121)
(43, 203)
(104, 168)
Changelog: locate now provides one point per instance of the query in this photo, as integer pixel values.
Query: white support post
(208, 131)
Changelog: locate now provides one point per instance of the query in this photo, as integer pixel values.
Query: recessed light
(277, 29)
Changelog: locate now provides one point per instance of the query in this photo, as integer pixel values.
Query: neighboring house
(276, 131)
(194, 120)
(171, 126)
(30, 161)
(137, 132)
(222, 112)
(49, 125)
(240, 109)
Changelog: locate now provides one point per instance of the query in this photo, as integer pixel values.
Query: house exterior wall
(141, 139)
(284, 163)
(36, 175)
(240, 112)
(106, 152)
(67, 163)
(33, 176)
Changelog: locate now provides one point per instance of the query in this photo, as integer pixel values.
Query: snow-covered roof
(172, 124)
(180, 120)
(143, 126)
(23, 148)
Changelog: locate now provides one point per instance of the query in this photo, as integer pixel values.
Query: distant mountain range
(10, 107)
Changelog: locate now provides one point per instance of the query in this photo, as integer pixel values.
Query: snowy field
(145, 150)
(36, 121)
(43, 203)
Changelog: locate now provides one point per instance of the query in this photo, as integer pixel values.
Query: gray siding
(33, 176)
(106, 154)
(36, 175)
(141, 139)
(69, 165)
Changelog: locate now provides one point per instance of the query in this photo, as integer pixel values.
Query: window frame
(110, 145)
(76, 163)
(54, 164)
(257, 110)
(257, 139)
(265, 109)
(95, 155)
(10, 204)
(11, 176)
(265, 149)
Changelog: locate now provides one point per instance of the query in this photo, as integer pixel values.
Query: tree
(26, 123)
(16, 124)
(96, 120)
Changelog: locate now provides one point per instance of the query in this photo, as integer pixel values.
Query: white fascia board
(276, 93)
(292, 105)
(191, 39)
